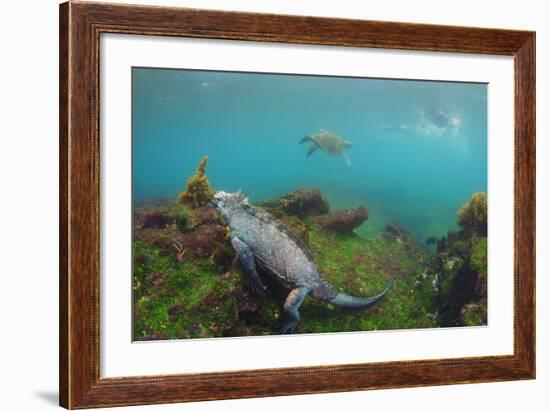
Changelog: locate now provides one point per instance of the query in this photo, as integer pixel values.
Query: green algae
(478, 257)
(180, 217)
(363, 267)
(474, 314)
(192, 299)
(179, 300)
(462, 271)
(188, 284)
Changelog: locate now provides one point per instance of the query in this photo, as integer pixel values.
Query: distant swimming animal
(329, 142)
(260, 240)
(441, 120)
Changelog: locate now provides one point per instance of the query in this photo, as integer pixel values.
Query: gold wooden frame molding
(80, 27)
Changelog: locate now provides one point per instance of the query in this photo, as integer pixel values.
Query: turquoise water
(406, 165)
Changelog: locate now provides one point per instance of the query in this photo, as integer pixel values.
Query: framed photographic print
(256, 205)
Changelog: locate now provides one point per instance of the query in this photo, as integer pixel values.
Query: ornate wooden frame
(80, 27)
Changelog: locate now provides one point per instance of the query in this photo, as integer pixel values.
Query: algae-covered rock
(474, 314)
(472, 217)
(188, 284)
(198, 191)
(165, 240)
(302, 202)
(178, 231)
(461, 282)
(155, 219)
(204, 239)
(397, 230)
(462, 266)
(478, 261)
(343, 221)
(206, 215)
(180, 217)
(160, 214)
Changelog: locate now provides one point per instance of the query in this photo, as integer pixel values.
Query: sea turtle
(329, 142)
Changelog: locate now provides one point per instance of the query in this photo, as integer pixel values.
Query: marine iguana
(260, 240)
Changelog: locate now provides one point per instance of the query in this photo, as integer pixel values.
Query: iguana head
(228, 202)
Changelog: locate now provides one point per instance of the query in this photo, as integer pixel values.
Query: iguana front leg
(249, 265)
(291, 315)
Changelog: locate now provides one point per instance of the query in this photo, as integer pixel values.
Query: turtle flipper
(306, 138)
(312, 148)
(348, 162)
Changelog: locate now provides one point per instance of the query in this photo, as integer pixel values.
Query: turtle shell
(329, 142)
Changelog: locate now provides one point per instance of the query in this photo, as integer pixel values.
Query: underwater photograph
(268, 204)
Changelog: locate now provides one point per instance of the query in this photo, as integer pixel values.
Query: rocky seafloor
(188, 282)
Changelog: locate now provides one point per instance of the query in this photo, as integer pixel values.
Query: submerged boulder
(163, 238)
(343, 221)
(205, 239)
(396, 230)
(303, 202)
(206, 215)
(398, 233)
(155, 219)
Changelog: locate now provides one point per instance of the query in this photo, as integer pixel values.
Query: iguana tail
(344, 300)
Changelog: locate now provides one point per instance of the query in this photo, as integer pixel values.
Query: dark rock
(343, 221)
(223, 257)
(481, 287)
(303, 202)
(396, 229)
(206, 215)
(203, 239)
(441, 245)
(155, 219)
(164, 238)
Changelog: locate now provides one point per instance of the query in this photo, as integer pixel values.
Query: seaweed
(198, 191)
(472, 217)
